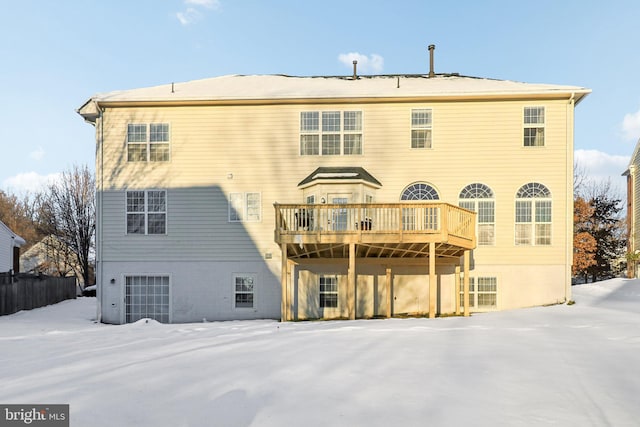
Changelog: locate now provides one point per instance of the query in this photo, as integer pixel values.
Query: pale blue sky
(55, 54)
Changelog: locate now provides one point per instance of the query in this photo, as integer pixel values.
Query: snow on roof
(634, 158)
(339, 173)
(281, 87)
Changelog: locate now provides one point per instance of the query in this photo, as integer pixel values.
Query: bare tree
(68, 212)
(579, 178)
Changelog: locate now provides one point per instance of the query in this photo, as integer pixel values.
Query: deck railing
(375, 218)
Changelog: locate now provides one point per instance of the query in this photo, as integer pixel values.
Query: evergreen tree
(607, 229)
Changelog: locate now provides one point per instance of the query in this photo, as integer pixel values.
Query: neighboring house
(633, 213)
(10, 244)
(269, 196)
(49, 256)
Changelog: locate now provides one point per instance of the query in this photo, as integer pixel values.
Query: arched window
(479, 198)
(533, 215)
(422, 218)
(420, 191)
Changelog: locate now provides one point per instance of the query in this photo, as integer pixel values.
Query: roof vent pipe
(355, 70)
(432, 47)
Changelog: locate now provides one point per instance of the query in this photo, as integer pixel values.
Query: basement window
(483, 293)
(328, 292)
(244, 290)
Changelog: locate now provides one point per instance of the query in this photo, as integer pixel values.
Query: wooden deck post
(351, 281)
(388, 284)
(433, 288)
(457, 289)
(466, 282)
(283, 283)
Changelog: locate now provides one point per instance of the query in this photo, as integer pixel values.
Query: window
(245, 207)
(243, 289)
(146, 297)
(419, 191)
(533, 126)
(533, 215)
(411, 216)
(148, 142)
(146, 212)
(330, 133)
(482, 296)
(421, 128)
(328, 291)
(479, 198)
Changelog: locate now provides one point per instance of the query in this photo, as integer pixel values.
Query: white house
(10, 244)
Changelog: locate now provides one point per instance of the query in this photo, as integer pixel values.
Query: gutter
(570, 196)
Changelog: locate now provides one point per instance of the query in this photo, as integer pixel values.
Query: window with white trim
(244, 290)
(328, 291)
(420, 191)
(148, 142)
(426, 218)
(146, 297)
(330, 133)
(479, 198)
(245, 207)
(421, 125)
(533, 215)
(146, 212)
(482, 296)
(533, 122)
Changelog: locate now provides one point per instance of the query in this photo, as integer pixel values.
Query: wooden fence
(26, 292)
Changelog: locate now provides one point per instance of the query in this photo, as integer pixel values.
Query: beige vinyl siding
(636, 204)
(259, 146)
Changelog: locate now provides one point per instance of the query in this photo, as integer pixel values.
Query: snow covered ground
(562, 365)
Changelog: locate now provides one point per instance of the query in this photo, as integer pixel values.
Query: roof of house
(288, 88)
(348, 173)
(17, 240)
(634, 158)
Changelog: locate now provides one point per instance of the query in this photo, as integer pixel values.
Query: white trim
(342, 132)
(473, 296)
(336, 292)
(411, 128)
(533, 221)
(146, 212)
(253, 276)
(123, 295)
(243, 215)
(147, 142)
(542, 125)
(476, 201)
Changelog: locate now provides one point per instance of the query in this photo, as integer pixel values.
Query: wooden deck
(389, 230)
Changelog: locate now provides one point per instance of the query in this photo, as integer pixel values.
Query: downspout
(570, 196)
(100, 223)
